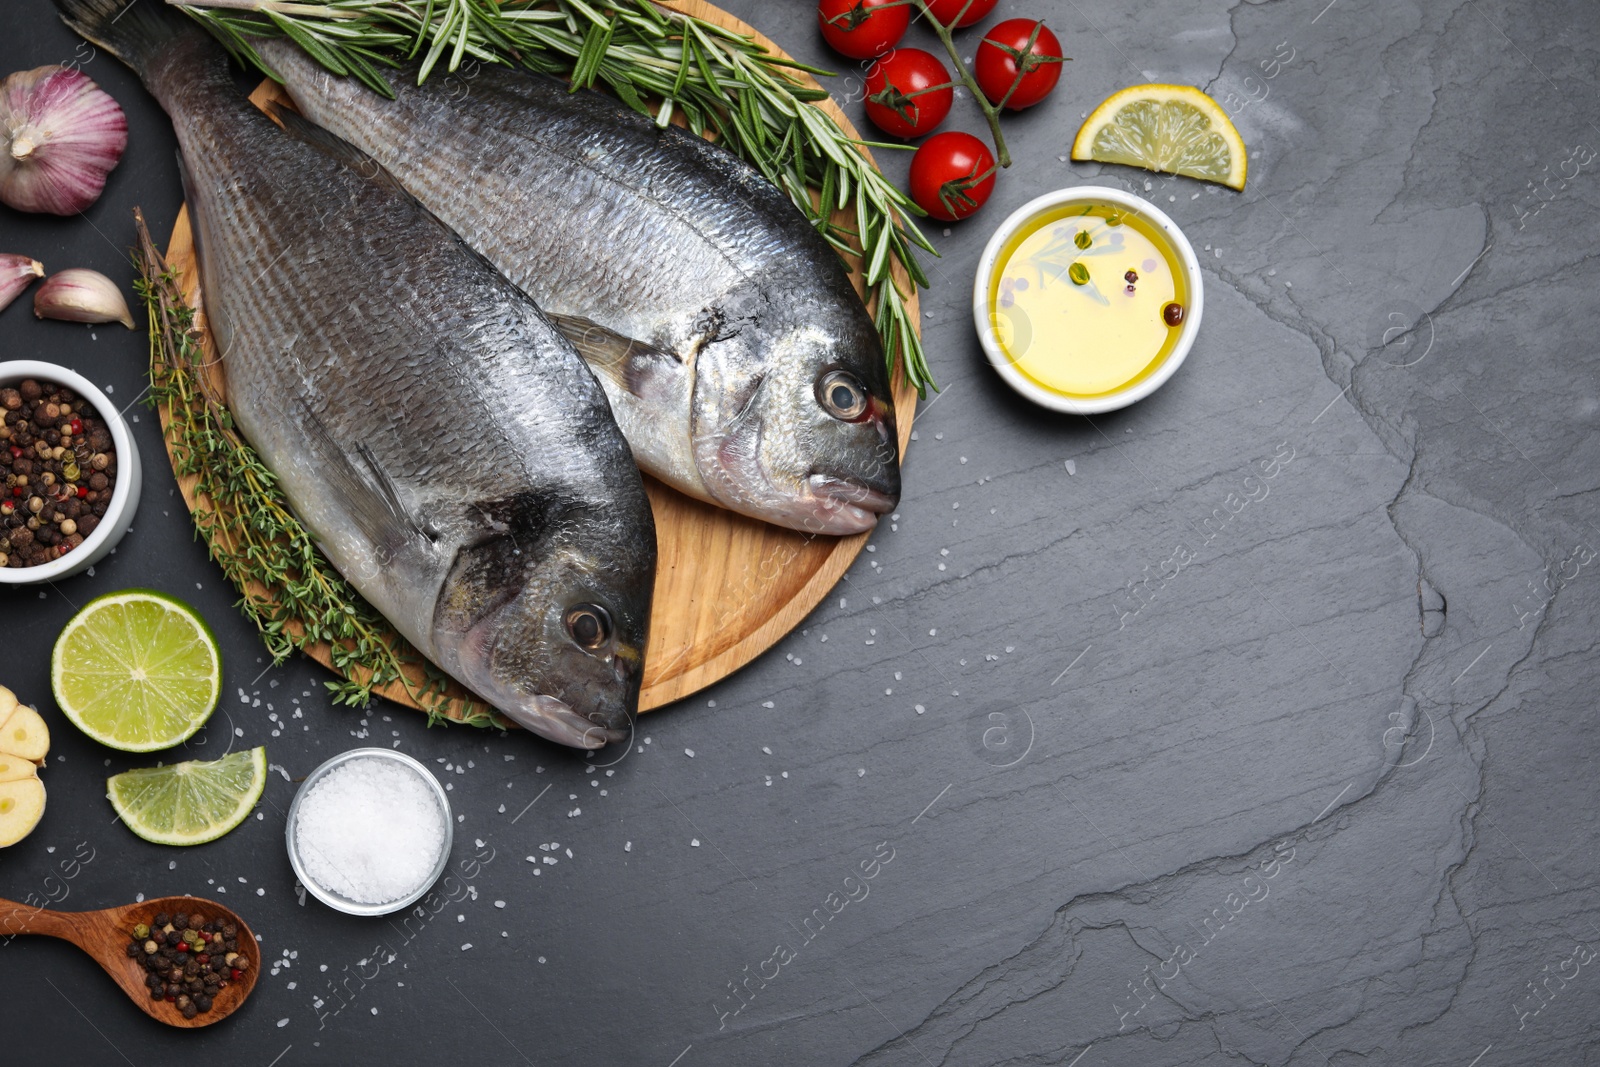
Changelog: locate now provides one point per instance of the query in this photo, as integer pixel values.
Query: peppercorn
(1172, 314)
(51, 440)
(203, 1002)
(141, 932)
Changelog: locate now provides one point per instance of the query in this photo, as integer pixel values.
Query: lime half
(1172, 128)
(137, 670)
(189, 803)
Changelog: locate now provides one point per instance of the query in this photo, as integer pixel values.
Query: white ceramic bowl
(124, 498)
(1002, 363)
(335, 900)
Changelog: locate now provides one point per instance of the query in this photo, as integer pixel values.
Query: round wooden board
(727, 587)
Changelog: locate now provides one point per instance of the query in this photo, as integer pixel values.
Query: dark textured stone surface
(1324, 798)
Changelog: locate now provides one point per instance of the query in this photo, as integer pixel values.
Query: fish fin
(374, 502)
(132, 31)
(332, 145)
(638, 367)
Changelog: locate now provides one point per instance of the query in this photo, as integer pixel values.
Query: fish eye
(842, 395)
(589, 625)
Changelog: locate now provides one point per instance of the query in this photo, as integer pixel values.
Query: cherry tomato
(1000, 74)
(908, 92)
(863, 29)
(947, 11)
(952, 175)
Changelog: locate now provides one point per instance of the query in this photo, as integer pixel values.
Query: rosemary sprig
(659, 62)
(292, 594)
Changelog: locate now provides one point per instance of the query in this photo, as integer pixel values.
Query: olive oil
(1082, 299)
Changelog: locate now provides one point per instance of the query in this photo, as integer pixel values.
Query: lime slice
(137, 670)
(189, 803)
(1175, 129)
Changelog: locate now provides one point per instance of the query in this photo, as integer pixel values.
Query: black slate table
(1317, 790)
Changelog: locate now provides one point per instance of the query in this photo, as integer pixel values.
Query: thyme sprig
(658, 61)
(292, 594)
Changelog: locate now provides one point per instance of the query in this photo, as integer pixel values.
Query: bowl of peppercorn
(69, 473)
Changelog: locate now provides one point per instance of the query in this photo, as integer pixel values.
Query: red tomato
(947, 11)
(908, 92)
(1000, 74)
(863, 29)
(952, 175)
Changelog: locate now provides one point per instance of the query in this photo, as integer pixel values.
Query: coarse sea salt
(370, 830)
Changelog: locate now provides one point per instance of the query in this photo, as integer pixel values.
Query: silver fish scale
(739, 360)
(575, 164)
(462, 393)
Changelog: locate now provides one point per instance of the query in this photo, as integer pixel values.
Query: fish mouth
(845, 505)
(555, 720)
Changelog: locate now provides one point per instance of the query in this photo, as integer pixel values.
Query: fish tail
(138, 32)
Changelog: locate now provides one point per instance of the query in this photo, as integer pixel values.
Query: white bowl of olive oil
(1087, 299)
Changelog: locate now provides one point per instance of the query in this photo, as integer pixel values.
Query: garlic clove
(60, 135)
(16, 274)
(80, 295)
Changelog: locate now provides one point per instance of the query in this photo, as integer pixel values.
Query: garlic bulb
(60, 135)
(16, 274)
(80, 295)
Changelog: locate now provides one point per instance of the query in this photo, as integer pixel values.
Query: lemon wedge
(1174, 129)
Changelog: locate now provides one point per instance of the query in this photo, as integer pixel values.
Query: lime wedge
(189, 803)
(1175, 129)
(137, 670)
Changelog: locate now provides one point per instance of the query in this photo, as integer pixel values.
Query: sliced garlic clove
(80, 295)
(16, 274)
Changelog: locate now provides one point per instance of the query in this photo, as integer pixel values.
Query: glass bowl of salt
(369, 831)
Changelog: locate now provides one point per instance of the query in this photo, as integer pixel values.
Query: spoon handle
(18, 918)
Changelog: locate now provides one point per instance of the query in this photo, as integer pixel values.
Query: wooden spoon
(106, 934)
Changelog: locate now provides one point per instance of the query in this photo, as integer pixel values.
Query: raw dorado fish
(453, 455)
(740, 362)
